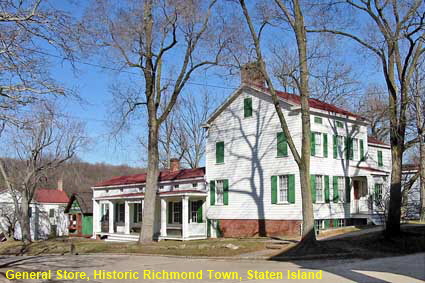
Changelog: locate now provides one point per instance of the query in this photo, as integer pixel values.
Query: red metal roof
(165, 175)
(313, 103)
(160, 193)
(375, 141)
(50, 196)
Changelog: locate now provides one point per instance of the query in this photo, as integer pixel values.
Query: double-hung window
(177, 212)
(196, 211)
(378, 193)
(120, 212)
(341, 147)
(355, 145)
(283, 189)
(319, 188)
(219, 191)
(318, 144)
(341, 189)
(137, 212)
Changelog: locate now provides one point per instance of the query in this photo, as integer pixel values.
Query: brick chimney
(174, 164)
(60, 184)
(251, 74)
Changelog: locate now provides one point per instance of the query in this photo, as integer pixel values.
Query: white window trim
(341, 188)
(318, 148)
(279, 201)
(222, 192)
(340, 147)
(173, 220)
(356, 149)
(322, 188)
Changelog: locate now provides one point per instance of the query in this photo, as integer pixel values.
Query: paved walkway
(409, 269)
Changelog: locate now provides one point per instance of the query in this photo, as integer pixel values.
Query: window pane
(219, 192)
(283, 189)
(319, 189)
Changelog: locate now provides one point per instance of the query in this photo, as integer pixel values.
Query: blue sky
(93, 83)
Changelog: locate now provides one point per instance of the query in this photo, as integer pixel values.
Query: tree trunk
(394, 211)
(422, 176)
(147, 231)
(308, 235)
(24, 221)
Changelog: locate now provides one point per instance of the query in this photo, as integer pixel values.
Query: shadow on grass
(343, 256)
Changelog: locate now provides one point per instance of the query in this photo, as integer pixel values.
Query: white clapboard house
(250, 185)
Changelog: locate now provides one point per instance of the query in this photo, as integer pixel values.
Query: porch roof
(165, 194)
(365, 170)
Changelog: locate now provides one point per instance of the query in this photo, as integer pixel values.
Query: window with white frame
(378, 192)
(195, 206)
(177, 212)
(219, 191)
(283, 189)
(137, 213)
(319, 188)
(104, 212)
(176, 187)
(319, 225)
(341, 222)
(341, 147)
(355, 149)
(341, 189)
(318, 144)
(120, 212)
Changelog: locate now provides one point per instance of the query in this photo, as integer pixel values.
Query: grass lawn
(210, 247)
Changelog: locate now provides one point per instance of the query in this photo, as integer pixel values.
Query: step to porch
(120, 237)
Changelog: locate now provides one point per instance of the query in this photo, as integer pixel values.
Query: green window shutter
(335, 147)
(247, 107)
(325, 145)
(313, 188)
(219, 152)
(226, 192)
(170, 212)
(335, 223)
(335, 187)
(350, 149)
(313, 144)
(282, 145)
(362, 156)
(212, 192)
(291, 188)
(380, 160)
(274, 189)
(347, 189)
(327, 193)
(376, 196)
(199, 212)
(208, 228)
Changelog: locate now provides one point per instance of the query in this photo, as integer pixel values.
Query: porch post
(163, 217)
(185, 218)
(97, 214)
(111, 217)
(126, 217)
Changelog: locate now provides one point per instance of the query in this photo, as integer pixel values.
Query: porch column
(111, 217)
(97, 214)
(163, 217)
(185, 218)
(126, 217)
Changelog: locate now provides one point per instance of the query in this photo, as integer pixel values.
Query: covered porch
(179, 216)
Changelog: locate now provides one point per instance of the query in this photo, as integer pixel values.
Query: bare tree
(294, 16)
(181, 135)
(26, 27)
(163, 40)
(417, 89)
(394, 33)
(373, 106)
(44, 142)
